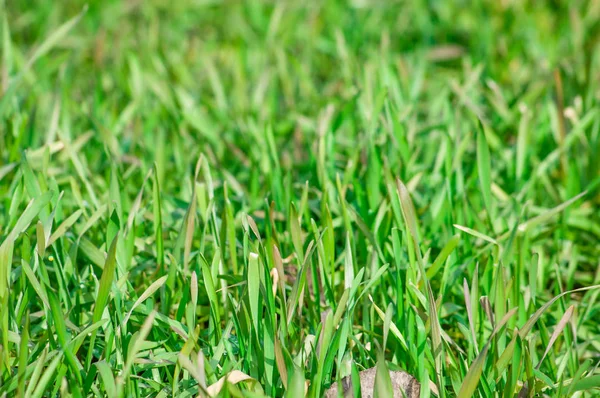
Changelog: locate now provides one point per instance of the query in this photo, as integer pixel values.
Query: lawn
(204, 197)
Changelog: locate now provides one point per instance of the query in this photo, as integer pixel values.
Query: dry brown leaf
(233, 377)
(403, 383)
(445, 52)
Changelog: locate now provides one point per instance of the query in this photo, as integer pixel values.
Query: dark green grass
(289, 192)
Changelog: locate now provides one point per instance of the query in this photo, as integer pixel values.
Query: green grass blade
(484, 171)
(254, 290)
(471, 380)
(46, 377)
(33, 209)
(106, 282)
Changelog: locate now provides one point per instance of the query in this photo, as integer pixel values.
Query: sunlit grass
(283, 194)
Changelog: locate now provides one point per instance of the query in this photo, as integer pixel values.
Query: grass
(287, 193)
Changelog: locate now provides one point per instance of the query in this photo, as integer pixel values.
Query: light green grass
(295, 191)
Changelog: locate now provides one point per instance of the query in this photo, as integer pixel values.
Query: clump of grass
(203, 198)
